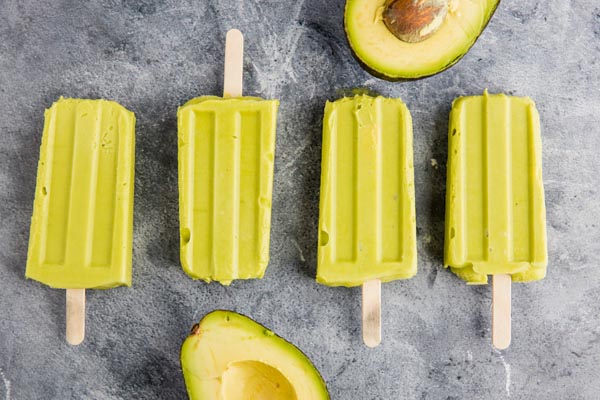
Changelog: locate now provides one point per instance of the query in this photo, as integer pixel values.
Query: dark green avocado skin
(381, 75)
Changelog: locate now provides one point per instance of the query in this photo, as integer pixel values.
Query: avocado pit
(413, 21)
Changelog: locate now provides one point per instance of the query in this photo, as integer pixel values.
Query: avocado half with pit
(410, 39)
(230, 357)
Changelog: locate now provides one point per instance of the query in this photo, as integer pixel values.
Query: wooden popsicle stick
(501, 321)
(75, 316)
(234, 64)
(371, 312)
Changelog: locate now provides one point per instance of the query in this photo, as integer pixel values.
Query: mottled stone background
(153, 56)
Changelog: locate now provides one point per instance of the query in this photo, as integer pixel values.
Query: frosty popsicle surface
(367, 227)
(226, 153)
(495, 212)
(81, 228)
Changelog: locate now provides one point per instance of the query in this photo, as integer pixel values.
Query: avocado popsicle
(495, 212)
(367, 226)
(81, 228)
(226, 155)
(367, 229)
(226, 148)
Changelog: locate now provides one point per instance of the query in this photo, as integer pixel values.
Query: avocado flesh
(230, 357)
(388, 57)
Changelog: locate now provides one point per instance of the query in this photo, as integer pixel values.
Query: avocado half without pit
(410, 39)
(228, 356)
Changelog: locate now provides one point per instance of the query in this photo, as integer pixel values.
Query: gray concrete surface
(153, 56)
